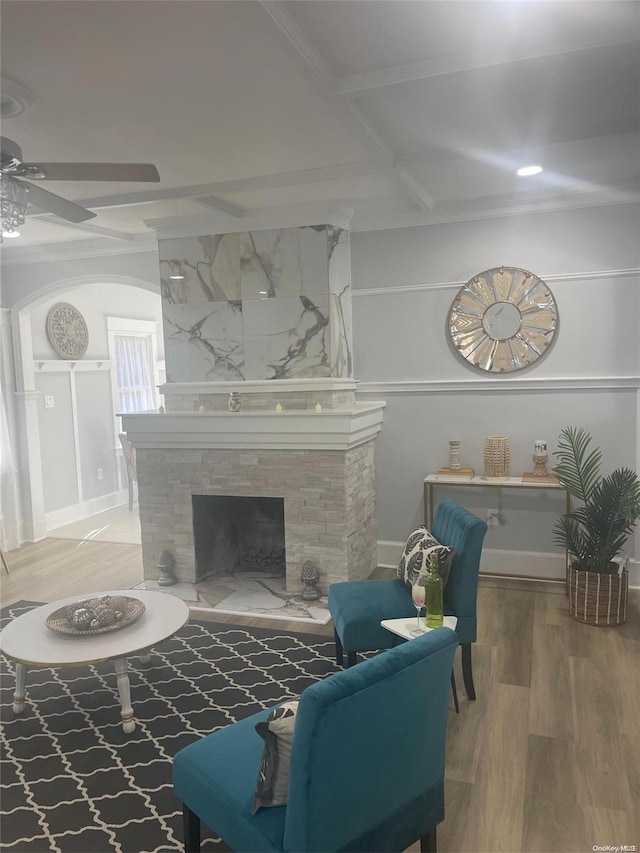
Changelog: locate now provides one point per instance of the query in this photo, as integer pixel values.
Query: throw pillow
(272, 786)
(421, 544)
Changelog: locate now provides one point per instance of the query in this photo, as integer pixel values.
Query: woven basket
(598, 599)
(497, 457)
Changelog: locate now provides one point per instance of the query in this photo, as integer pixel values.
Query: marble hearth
(319, 463)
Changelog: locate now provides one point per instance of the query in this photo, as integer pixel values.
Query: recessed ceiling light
(176, 277)
(525, 171)
(10, 235)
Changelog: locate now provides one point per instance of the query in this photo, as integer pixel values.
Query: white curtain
(135, 377)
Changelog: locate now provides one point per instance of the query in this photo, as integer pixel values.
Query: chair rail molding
(553, 384)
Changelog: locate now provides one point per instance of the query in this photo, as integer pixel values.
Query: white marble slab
(210, 267)
(286, 338)
(256, 594)
(284, 262)
(204, 342)
(340, 322)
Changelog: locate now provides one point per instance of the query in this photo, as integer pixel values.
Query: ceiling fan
(16, 193)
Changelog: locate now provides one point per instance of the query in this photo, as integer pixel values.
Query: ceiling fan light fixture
(13, 206)
(526, 171)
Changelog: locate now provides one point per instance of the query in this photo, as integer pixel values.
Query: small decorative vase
(497, 457)
(234, 401)
(454, 455)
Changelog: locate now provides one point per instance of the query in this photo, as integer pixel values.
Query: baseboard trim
(522, 565)
(78, 512)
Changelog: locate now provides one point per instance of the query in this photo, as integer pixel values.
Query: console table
(433, 480)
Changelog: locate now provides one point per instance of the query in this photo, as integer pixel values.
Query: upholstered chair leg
(339, 649)
(428, 842)
(467, 672)
(352, 659)
(455, 692)
(191, 830)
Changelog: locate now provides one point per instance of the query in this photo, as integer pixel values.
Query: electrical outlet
(99, 473)
(493, 517)
(49, 401)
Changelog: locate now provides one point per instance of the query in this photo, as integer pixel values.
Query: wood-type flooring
(547, 760)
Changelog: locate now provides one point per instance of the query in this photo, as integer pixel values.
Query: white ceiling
(402, 112)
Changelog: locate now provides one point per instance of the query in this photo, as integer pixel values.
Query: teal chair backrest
(456, 526)
(367, 763)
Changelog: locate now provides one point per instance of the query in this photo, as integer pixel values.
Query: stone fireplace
(267, 315)
(319, 464)
(238, 534)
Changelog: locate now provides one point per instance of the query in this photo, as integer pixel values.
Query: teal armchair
(358, 607)
(367, 762)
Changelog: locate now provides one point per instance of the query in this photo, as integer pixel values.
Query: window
(135, 370)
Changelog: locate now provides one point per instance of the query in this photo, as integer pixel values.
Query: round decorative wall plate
(67, 331)
(503, 319)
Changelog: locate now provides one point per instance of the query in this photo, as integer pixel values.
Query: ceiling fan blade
(132, 172)
(56, 204)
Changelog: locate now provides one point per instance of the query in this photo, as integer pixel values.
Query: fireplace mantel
(331, 429)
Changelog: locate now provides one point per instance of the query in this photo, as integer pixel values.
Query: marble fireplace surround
(321, 463)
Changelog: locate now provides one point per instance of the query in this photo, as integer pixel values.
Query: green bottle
(433, 584)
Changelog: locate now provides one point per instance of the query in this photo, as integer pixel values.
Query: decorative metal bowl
(88, 617)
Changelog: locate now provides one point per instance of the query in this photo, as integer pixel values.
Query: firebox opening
(238, 534)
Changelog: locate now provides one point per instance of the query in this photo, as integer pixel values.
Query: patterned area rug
(73, 781)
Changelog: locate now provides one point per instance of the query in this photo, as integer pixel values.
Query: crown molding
(438, 216)
(77, 249)
(357, 83)
(281, 216)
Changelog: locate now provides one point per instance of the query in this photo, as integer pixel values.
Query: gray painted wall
(400, 335)
(95, 431)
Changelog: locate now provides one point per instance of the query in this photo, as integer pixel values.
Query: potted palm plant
(595, 532)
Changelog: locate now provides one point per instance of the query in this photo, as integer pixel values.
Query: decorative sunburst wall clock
(503, 319)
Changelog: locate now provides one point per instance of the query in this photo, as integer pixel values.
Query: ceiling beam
(499, 55)
(259, 182)
(354, 118)
(50, 219)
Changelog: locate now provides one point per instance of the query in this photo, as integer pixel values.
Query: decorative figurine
(234, 402)
(201, 409)
(278, 408)
(166, 565)
(310, 576)
(540, 458)
(318, 407)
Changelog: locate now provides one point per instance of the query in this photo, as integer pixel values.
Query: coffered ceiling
(392, 112)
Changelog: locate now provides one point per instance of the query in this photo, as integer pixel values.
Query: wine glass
(418, 596)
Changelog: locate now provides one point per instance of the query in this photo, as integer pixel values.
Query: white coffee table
(27, 641)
